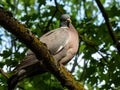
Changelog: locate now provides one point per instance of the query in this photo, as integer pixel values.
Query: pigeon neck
(72, 28)
(64, 24)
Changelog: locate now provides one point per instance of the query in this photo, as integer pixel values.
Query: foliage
(97, 66)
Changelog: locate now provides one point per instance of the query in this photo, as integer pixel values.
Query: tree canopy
(96, 64)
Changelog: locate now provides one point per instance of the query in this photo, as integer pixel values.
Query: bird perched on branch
(62, 44)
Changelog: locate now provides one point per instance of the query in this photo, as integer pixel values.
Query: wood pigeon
(62, 44)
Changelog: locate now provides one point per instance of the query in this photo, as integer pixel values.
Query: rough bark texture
(40, 50)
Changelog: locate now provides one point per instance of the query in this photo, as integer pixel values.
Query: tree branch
(109, 26)
(56, 10)
(57, 7)
(74, 64)
(48, 24)
(40, 50)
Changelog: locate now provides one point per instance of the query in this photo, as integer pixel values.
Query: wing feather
(56, 39)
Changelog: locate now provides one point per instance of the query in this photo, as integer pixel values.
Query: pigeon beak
(69, 20)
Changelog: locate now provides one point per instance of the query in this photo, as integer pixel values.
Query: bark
(40, 50)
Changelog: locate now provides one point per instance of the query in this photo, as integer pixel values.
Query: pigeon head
(65, 20)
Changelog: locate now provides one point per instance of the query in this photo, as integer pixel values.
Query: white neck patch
(63, 27)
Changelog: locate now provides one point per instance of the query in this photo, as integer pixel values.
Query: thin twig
(74, 64)
(57, 6)
(56, 10)
(49, 22)
(109, 26)
(84, 70)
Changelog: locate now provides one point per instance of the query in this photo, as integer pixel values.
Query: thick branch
(109, 26)
(40, 50)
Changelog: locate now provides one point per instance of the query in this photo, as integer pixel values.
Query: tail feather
(27, 71)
